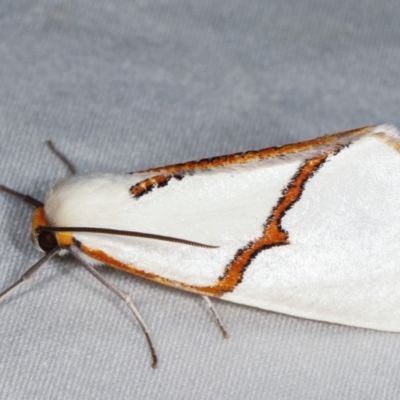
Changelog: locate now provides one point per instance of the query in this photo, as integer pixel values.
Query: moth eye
(47, 241)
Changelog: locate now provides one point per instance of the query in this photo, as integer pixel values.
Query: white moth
(307, 229)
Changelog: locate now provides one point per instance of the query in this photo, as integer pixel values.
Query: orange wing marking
(253, 156)
(148, 185)
(178, 171)
(392, 142)
(273, 235)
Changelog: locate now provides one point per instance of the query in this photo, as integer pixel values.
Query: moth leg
(124, 296)
(61, 157)
(216, 315)
(31, 271)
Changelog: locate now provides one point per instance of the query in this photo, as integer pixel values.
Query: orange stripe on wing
(178, 171)
(391, 141)
(148, 185)
(104, 258)
(253, 156)
(273, 235)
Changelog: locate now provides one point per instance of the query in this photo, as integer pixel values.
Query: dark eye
(47, 241)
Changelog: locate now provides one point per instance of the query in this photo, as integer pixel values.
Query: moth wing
(301, 229)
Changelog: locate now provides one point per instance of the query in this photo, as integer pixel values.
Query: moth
(306, 229)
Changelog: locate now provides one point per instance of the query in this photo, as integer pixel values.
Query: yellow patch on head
(64, 239)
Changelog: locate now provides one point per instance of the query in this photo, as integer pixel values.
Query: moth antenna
(214, 312)
(124, 296)
(61, 157)
(119, 232)
(24, 197)
(31, 271)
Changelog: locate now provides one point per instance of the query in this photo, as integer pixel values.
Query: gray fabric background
(124, 85)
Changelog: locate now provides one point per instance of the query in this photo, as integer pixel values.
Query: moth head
(43, 239)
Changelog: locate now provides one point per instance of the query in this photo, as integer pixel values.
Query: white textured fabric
(120, 86)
